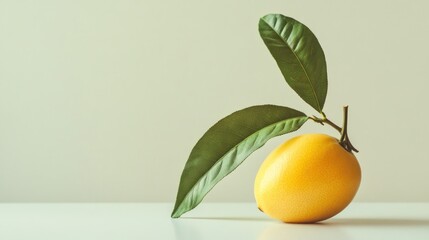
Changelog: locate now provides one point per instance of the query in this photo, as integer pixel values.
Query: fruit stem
(344, 139)
(345, 118)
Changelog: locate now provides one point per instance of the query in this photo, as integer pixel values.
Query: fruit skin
(307, 179)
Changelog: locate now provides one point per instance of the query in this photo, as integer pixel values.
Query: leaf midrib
(299, 61)
(220, 159)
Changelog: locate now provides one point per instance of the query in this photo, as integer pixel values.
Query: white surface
(208, 221)
(100, 99)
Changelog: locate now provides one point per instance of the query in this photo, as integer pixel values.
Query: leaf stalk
(344, 139)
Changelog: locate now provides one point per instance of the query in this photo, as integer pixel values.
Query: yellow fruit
(307, 179)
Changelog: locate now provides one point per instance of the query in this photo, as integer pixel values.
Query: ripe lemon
(309, 178)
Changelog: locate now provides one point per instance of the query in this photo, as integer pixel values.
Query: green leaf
(226, 145)
(298, 55)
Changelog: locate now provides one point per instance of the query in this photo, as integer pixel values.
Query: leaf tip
(175, 214)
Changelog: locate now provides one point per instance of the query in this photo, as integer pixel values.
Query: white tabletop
(141, 221)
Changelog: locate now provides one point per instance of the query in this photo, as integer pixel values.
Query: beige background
(103, 100)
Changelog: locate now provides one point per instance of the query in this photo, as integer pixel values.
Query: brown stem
(345, 119)
(332, 125)
(344, 139)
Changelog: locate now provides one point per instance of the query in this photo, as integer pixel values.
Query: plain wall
(103, 100)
